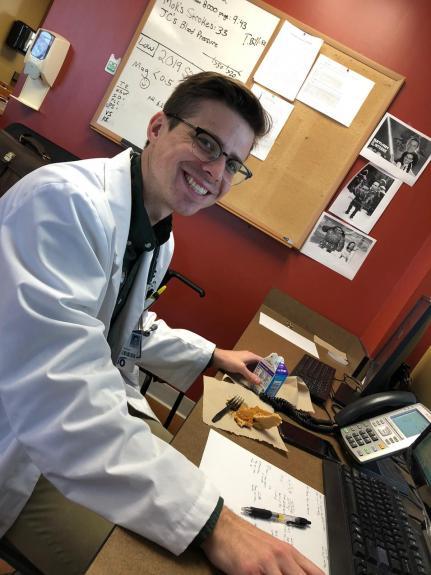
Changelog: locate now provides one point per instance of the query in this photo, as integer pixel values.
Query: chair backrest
(421, 379)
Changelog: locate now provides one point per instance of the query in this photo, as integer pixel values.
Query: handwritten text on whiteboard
(179, 38)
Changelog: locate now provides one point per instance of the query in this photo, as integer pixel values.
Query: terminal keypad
(370, 436)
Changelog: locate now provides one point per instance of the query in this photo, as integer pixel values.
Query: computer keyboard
(318, 376)
(369, 531)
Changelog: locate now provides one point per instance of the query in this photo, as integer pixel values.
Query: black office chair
(16, 559)
(171, 274)
(150, 377)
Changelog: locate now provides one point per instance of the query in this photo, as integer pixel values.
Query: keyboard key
(358, 550)
(360, 567)
(371, 550)
(395, 565)
(382, 556)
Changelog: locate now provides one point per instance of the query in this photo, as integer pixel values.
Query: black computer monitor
(421, 458)
(397, 349)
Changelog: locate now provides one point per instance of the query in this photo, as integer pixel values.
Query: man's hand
(238, 548)
(236, 362)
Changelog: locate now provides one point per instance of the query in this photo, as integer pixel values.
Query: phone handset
(373, 405)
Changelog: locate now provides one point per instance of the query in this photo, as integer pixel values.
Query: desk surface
(309, 323)
(125, 552)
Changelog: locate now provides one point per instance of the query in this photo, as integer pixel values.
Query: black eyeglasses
(208, 149)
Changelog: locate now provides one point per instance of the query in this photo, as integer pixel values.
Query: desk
(307, 322)
(126, 552)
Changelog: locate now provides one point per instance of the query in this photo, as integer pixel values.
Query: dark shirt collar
(142, 235)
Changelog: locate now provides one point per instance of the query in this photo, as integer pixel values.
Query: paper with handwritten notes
(183, 37)
(245, 480)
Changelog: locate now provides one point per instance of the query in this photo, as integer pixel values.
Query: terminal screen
(410, 423)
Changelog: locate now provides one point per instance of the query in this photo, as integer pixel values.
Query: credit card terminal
(385, 434)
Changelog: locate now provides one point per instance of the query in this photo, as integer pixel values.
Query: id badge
(132, 349)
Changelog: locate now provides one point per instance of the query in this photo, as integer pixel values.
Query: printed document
(245, 480)
(335, 90)
(279, 110)
(288, 61)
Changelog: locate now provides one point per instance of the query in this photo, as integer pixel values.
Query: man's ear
(155, 125)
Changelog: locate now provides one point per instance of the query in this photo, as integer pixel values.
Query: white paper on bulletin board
(335, 90)
(288, 61)
(178, 39)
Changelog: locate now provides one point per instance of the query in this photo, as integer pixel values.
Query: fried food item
(244, 415)
(256, 417)
(266, 421)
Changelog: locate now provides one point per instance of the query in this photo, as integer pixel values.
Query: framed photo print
(338, 245)
(398, 149)
(363, 200)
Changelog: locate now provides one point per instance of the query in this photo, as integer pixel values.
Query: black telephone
(359, 409)
(373, 405)
(372, 427)
(381, 425)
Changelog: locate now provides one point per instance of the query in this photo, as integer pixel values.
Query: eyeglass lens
(206, 148)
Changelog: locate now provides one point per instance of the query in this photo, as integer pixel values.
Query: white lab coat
(63, 410)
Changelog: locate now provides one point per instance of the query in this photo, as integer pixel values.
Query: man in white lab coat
(83, 249)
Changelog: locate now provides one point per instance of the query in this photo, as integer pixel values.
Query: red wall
(235, 263)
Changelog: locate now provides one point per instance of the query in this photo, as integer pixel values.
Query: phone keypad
(379, 436)
(369, 436)
(360, 434)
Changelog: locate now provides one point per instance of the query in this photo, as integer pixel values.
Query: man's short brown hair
(184, 100)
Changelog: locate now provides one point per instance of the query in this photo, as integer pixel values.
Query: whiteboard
(304, 167)
(179, 38)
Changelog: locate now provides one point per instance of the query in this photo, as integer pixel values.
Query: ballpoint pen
(278, 517)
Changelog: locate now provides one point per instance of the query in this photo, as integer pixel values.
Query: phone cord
(302, 417)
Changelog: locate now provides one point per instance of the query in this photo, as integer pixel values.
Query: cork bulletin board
(313, 153)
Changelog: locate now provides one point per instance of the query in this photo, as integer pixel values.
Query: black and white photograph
(338, 246)
(364, 199)
(398, 149)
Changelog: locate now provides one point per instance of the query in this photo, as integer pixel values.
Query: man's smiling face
(175, 180)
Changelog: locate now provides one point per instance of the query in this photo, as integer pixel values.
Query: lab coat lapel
(118, 189)
(133, 308)
(118, 192)
(136, 301)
